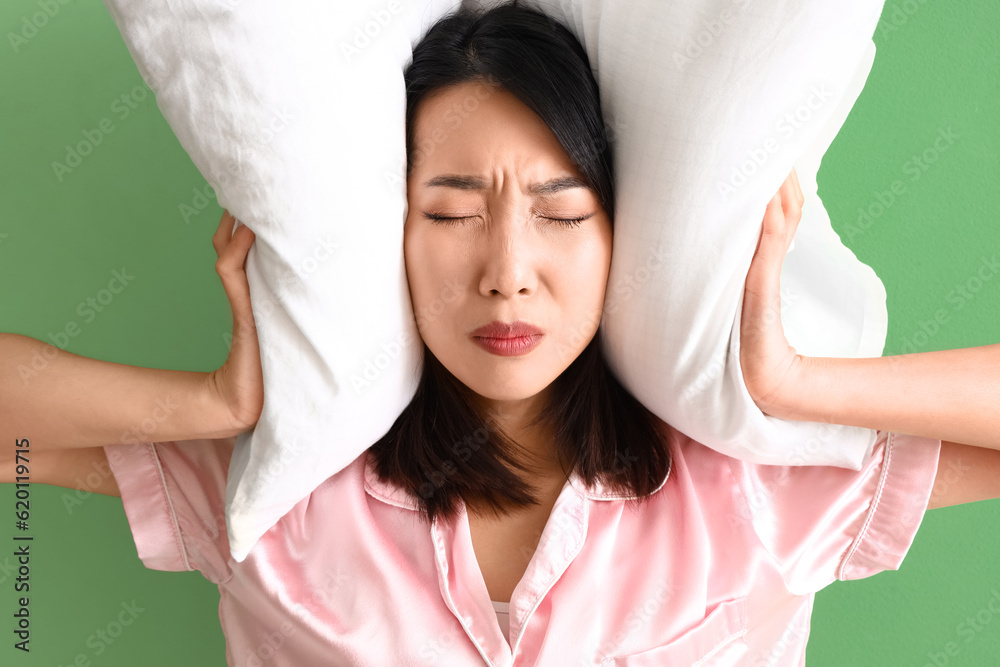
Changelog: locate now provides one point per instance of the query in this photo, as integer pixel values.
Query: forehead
(476, 127)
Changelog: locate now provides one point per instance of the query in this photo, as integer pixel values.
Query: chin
(490, 377)
(493, 391)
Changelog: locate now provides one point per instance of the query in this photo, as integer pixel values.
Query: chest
(504, 547)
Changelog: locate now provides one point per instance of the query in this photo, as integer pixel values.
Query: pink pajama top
(718, 567)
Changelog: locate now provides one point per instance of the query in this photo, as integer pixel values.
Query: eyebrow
(476, 183)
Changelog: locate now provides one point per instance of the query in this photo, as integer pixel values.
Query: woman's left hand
(769, 363)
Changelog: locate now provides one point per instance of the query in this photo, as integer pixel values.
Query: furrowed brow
(460, 182)
(556, 185)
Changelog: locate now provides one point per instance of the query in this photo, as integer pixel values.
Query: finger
(774, 216)
(222, 235)
(787, 220)
(234, 255)
(231, 267)
(798, 187)
(771, 244)
(245, 240)
(790, 198)
(240, 244)
(237, 290)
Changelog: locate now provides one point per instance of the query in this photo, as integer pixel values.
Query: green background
(936, 67)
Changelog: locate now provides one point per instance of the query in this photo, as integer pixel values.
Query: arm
(84, 468)
(59, 400)
(949, 395)
(952, 395)
(964, 475)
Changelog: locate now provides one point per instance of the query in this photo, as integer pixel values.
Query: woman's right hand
(239, 381)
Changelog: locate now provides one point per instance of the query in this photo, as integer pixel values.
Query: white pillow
(294, 113)
(712, 104)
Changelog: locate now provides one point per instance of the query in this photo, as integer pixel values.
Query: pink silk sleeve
(174, 495)
(822, 523)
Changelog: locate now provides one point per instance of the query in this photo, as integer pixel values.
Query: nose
(508, 254)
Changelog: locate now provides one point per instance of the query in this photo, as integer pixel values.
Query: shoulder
(695, 460)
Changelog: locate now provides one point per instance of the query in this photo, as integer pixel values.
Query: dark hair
(443, 446)
(532, 56)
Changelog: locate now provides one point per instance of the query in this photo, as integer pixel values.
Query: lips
(498, 329)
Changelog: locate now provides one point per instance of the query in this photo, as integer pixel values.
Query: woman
(522, 473)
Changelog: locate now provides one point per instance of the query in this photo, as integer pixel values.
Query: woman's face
(483, 156)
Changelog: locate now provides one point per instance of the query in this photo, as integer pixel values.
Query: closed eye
(569, 222)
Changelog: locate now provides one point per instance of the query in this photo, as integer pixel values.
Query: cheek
(589, 265)
(427, 267)
(416, 254)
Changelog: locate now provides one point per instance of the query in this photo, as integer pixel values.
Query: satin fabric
(718, 567)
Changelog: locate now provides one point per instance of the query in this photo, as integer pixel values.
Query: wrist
(217, 403)
(786, 399)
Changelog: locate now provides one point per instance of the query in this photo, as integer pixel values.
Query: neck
(536, 443)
